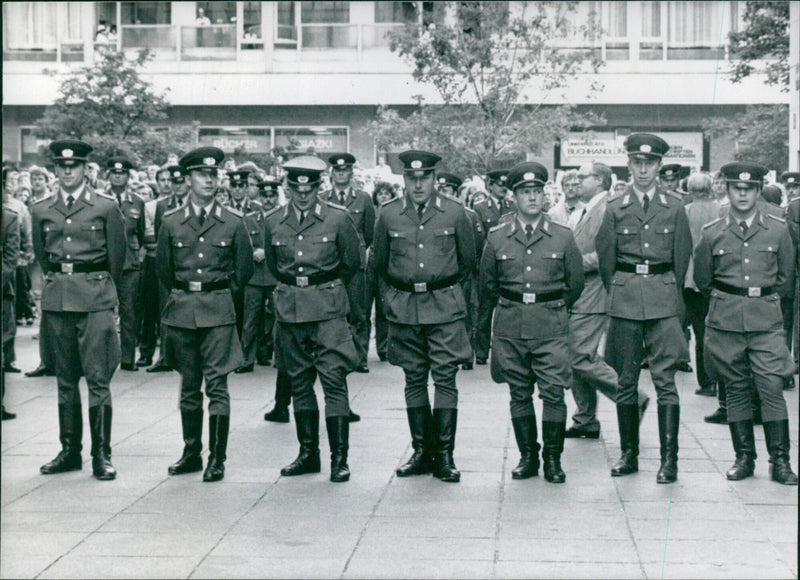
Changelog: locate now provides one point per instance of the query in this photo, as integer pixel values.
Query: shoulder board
(235, 212)
(470, 210)
(716, 221)
(776, 218)
(497, 227)
(136, 197)
(481, 202)
(336, 205)
(555, 225)
(173, 210)
(615, 197)
(674, 194)
(390, 201)
(252, 213)
(450, 197)
(47, 197)
(105, 195)
(275, 209)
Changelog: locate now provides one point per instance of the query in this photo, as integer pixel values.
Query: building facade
(302, 75)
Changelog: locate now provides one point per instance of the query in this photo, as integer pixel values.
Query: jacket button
(421, 265)
(199, 271)
(528, 268)
(646, 245)
(647, 226)
(300, 237)
(202, 239)
(300, 253)
(421, 246)
(69, 239)
(200, 255)
(300, 268)
(69, 221)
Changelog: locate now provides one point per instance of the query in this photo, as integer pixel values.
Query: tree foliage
(763, 45)
(111, 107)
(760, 135)
(491, 68)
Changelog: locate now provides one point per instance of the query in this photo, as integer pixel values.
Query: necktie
(70, 201)
(420, 210)
(341, 198)
(302, 217)
(528, 231)
(570, 209)
(202, 216)
(645, 203)
(743, 225)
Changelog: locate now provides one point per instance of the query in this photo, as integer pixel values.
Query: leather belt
(753, 292)
(662, 268)
(531, 297)
(422, 287)
(191, 286)
(312, 280)
(81, 267)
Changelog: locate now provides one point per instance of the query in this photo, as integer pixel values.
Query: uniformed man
(10, 233)
(490, 210)
(132, 207)
(204, 256)
(531, 271)
(79, 240)
(424, 250)
(669, 176)
(239, 198)
(643, 249)
(791, 184)
(359, 206)
(179, 187)
(747, 261)
(313, 252)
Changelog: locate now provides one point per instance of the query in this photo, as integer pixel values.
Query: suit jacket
(92, 232)
(700, 213)
(587, 224)
(629, 236)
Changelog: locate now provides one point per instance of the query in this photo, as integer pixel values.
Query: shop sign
(686, 148)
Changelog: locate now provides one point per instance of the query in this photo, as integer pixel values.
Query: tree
(492, 69)
(760, 134)
(111, 107)
(764, 42)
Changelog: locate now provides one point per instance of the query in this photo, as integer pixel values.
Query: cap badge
(118, 165)
(529, 176)
(302, 179)
(668, 173)
(442, 180)
(790, 180)
(416, 164)
(340, 162)
(645, 148)
(176, 174)
(503, 178)
(744, 176)
(208, 161)
(67, 153)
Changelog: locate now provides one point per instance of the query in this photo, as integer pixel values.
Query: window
(695, 30)
(31, 145)
(218, 12)
(615, 29)
(286, 31)
(251, 25)
(400, 12)
(325, 12)
(37, 30)
(651, 46)
(146, 12)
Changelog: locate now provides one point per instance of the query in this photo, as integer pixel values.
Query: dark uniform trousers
(696, 311)
(530, 342)
(149, 316)
(646, 308)
(427, 332)
(312, 334)
(257, 328)
(745, 341)
(199, 326)
(375, 291)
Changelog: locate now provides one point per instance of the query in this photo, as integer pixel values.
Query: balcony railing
(186, 43)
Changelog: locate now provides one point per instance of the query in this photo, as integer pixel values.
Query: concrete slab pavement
(257, 524)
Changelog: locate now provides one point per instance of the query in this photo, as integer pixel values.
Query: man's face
(269, 199)
(572, 188)
(180, 188)
(497, 190)
(238, 190)
(302, 200)
(448, 190)
(620, 187)
(38, 183)
(91, 172)
(669, 183)
(420, 188)
(743, 198)
(590, 185)
(530, 200)
(341, 176)
(70, 177)
(644, 171)
(118, 179)
(203, 184)
(793, 191)
(253, 189)
(163, 183)
(12, 181)
(151, 173)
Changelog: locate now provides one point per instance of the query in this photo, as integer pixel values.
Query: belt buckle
(66, 268)
(528, 298)
(754, 292)
(420, 287)
(642, 268)
(301, 281)
(195, 286)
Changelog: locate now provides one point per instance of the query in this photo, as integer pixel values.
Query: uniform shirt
(132, 208)
(629, 236)
(325, 242)
(441, 245)
(254, 221)
(219, 249)
(92, 232)
(491, 210)
(245, 205)
(765, 256)
(549, 261)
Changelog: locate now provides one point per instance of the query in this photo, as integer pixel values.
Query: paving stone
(253, 567)
(567, 570)
(558, 550)
(81, 567)
(417, 568)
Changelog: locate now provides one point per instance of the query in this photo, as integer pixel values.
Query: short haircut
(569, 174)
(772, 194)
(605, 174)
(699, 184)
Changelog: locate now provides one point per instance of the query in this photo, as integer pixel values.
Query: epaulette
(674, 194)
(336, 205)
(557, 225)
(235, 212)
(252, 213)
(389, 201)
(709, 224)
(497, 227)
(275, 209)
(105, 195)
(470, 210)
(450, 197)
(776, 218)
(173, 210)
(47, 197)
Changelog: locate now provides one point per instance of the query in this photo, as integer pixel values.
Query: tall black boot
(526, 434)
(720, 416)
(744, 445)
(283, 396)
(420, 423)
(307, 425)
(777, 435)
(444, 468)
(70, 428)
(628, 422)
(553, 446)
(669, 417)
(100, 426)
(218, 427)
(338, 438)
(191, 460)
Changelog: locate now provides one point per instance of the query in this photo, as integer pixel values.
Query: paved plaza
(257, 524)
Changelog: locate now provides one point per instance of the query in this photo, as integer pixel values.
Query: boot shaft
(218, 427)
(338, 436)
(192, 428)
(526, 434)
(553, 438)
(669, 417)
(743, 438)
(628, 422)
(70, 427)
(446, 421)
(100, 427)
(307, 426)
(420, 424)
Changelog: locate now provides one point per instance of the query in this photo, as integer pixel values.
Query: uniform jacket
(549, 261)
(10, 250)
(763, 257)
(492, 210)
(793, 221)
(132, 207)
(439, 246)
(245, 206)
(163, 206)
(360, 207)
(627, 235)
(586, 225)
(220, 249)
(326, 241)
(92, 231)
(479, 234)
(255, 227)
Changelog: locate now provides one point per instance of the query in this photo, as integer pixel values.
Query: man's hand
(259, 255)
